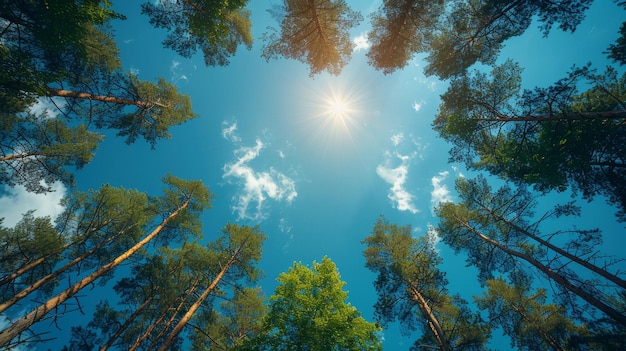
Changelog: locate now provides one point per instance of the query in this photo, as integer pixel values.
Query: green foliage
(313, 32)
(31, 239)
(527, 319)
(308, 312)
(162, 107)
(36, 151)
(217, 28)
(475, 30)
(552, 138)
(617, 51)
(496, 231)
(409, 284)
(35, 53)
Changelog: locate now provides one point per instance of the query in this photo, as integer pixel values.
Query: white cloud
(18, 201)
(257, 186)
(440, 192)
(417, 106)
(402, 199)
(397, 139)
(281, 154)
(177, 74)
(361, 42)
(229, 130)
(47, 107)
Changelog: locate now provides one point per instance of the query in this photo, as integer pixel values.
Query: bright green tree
(552, 138)
(412, 290)
(217, 28)
(313, 32)
(308, 311)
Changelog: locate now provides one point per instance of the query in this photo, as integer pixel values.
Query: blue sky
(266, 147)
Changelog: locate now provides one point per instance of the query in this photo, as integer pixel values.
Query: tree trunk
(433, 322)
(127, 323)
(608, 310)
(590, 266)
(146, 334)
(33, 287)
(103, 98)
(33, 264)
(177, 329)
(40, 312)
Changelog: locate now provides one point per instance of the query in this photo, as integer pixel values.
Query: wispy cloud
(257, 186)
(396, 139)
(177, 72)
(361, 42)
(18, 201)
(397, 176)
(229, 131)
(440, 192)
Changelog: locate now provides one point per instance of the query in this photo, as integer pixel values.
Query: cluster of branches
(499, 233)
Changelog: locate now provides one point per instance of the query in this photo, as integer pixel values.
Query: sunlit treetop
(313, 32)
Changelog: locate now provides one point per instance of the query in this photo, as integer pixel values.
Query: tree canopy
(308, 311)
(217, 28)
(313, 32)
(552, 138)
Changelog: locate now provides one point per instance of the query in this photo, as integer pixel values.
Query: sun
(338, 108)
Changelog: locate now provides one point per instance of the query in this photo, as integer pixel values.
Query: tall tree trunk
(38, 284)
(40, 312)
(590, 266)
(103, 98)
(162, 316)
(608, 310)
(33, 264)
(126, 324)
(433, 322)
(185, 319)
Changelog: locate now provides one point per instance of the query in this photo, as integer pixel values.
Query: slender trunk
(608, 310)
(33, 287)
(433, 322)
(173, 317)
(543, 334)
(33, 264)
(162, 316)
(127, 323)
(177, 329)
(590, 266)
(40, 312)
(18, 156)
(103, 98)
